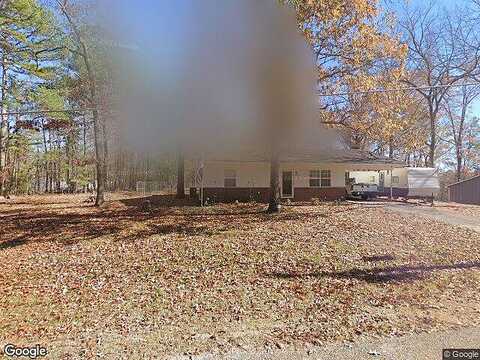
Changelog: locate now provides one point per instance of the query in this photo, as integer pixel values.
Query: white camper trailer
(409, 182)
(422, 182)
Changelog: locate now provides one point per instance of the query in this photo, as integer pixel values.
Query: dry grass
(86, 281)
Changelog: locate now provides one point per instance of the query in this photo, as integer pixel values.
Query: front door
(381, 182)
(287, 184)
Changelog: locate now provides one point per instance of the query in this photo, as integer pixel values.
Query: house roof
(344, 156)
(357, 157)
(314, 144)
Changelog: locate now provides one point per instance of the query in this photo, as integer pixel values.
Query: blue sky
(448, 5)
(166, 25)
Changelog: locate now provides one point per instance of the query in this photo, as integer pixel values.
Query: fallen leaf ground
(460, 209)
(122, 282)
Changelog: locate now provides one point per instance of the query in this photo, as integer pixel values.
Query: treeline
(55, 127)
(398, 82)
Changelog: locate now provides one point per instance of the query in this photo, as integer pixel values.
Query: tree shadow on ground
(315, 214)
(20, 240)
(81, 222)
(67, 228)
(159, 200)
(183, 228)
(380, 275)
(164, 204)
(29, 212)
(56, 225)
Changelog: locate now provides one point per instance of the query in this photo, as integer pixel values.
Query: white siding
(302, 173)
(365, 177)
(250, 174)
(402, 174)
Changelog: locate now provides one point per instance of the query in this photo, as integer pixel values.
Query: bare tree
(457, 105)
(82, 50)
(3, 120)
(440, 55)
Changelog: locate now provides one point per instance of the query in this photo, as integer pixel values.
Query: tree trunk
(3, 86)
(105, 150)
(433, 137)
(390, 149)
(100, 196)
(38, 173)
(433, 144)
(459, 164)
(7, 164)
(45, 154)
(459, 138)
(431, 156)
(54, 176)
(84, 137)
(180, 175)
(46, 176)
(92, 87)
(274, 204)
(50, 179)
(58, 176)
(68, 156)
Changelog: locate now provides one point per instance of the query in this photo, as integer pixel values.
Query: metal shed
(466, 191)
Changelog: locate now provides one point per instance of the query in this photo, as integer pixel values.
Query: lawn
(186, 280)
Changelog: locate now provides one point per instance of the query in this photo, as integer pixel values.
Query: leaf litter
(189, 280)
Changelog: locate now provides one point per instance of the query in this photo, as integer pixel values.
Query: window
(314, 178)
(326, 178)
(320, 178)
(395, 180)
(230, 179)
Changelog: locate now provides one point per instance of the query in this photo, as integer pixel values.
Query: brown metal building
(466, 191)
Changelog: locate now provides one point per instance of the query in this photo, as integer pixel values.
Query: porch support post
(391, 183)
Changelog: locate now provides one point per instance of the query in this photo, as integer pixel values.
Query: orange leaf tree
(356, 56)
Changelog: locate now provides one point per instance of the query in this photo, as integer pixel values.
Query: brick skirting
(263, 194)
(323, 194)
(232, 194)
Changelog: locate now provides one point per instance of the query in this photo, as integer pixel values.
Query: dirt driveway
(454, 214)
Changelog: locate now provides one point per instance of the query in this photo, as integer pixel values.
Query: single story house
(303, 176)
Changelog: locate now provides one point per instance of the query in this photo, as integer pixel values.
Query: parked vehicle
(363, 191)
(408, 182)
